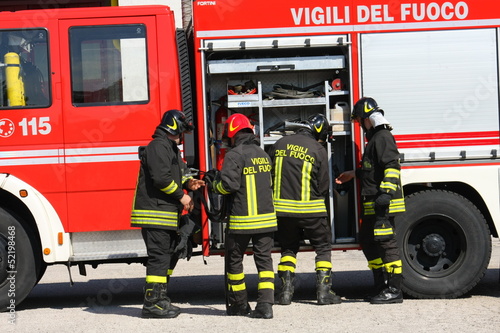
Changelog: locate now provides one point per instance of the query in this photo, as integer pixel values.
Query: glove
(383, 200)
(211, 175)
(382, 230)
(184, 247)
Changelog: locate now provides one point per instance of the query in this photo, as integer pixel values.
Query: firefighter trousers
(235, 247)
(160, 244)
(291, 232)
(388, 251)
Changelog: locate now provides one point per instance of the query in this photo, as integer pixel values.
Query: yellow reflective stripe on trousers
(265, 285)
(395, 267)
(291, 259)
(266, 275)
(251, 195)
(235, 277)
(323, 265)
(306, 181)
(237, 287)
(282, 268)
(375, 263)
(156, 279)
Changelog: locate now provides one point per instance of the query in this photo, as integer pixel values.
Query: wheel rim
(435, 246)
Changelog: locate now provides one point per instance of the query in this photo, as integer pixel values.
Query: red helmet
(236, 123)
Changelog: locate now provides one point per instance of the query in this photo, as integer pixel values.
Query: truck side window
(108, 65)
(24, 69)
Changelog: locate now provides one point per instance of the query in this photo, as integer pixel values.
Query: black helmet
(174, 122)
(365, 107)
(320, 126)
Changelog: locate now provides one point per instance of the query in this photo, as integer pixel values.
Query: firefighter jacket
(300, 176)
(159, 187)
(380, 171)
(246, 178)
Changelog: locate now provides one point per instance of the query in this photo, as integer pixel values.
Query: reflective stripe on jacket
(380, 171)
(246, 178)
(159, 185)
(300, 175)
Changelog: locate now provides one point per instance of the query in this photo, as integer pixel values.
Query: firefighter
(246, 178)
(159, 200)
(382, 196)
(301, 184)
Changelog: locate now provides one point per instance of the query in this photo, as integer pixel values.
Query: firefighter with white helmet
(382, 195)
(246, 178)
(301, 183)
(159, 200)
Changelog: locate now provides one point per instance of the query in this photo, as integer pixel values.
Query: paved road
(109, 299)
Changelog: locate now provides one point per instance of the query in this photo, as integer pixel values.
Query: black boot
(263, 310)
(238, 309)
(379, 283)
(156, 302)
(286, 293)
(324, 288)
(391, 294)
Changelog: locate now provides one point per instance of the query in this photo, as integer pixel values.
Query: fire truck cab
(81, 90)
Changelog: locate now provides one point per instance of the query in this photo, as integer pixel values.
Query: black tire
(16, 255)
(445, 244)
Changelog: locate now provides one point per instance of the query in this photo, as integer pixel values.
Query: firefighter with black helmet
(382, 194)
(246, 178)
(301, 184)
(159, 200)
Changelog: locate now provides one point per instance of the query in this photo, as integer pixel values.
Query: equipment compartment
(292, 83)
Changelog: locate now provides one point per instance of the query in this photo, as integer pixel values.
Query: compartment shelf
(338, 93)
(269, 103)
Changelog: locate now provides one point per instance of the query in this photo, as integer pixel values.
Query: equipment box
(340, 117)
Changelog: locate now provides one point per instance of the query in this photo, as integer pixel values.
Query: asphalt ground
(109, 299)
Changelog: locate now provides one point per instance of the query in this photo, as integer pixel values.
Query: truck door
(110, 102)
(31, 134)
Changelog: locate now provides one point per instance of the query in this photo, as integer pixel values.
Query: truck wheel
(445, 244)
(18, 262)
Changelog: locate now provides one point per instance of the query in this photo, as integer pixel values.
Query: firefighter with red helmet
(301, 183)
(159, 200)
(382, 194)
(246, 178)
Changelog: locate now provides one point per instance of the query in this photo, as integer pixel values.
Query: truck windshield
(108, 65)
(24, 68)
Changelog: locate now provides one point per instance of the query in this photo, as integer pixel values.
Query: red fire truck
(83, 89)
